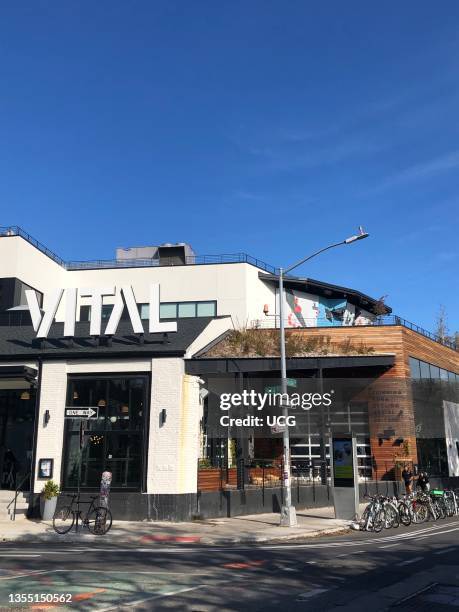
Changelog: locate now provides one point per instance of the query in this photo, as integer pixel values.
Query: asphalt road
(409, 568)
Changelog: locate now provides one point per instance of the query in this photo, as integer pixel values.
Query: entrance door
(17, 413)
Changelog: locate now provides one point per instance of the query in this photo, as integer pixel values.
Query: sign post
(344, 475)
(82, 414)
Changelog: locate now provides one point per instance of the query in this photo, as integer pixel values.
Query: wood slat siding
(422, 348)
(393, 339)
(396, 340)
(403, 343)
(209, 479)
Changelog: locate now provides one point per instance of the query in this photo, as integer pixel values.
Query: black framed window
(115, 440)
(167, 310)
(182, 310)
(85, 312)
(422, 369)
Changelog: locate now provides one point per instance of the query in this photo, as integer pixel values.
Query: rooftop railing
(19, 319)
(191, 260)
(383, 320)
(97, 264)
(14, 230)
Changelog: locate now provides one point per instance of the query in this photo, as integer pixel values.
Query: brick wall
(173, 446)
(50, 436)
(397, 415)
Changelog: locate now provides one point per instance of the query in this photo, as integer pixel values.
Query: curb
(146, 539)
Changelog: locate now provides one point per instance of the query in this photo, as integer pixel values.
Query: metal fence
(14, 230)
(272, 322)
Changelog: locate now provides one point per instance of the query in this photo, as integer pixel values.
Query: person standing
(407, 476)
(423, 482)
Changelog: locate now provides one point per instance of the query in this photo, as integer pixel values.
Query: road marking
(285, 568)
(311, 562)
(414, 560)
(141, 601)
(20, 555)
(97, 571)
(438, 532)
(390, 545)
(312, 593)
(415, 533)
(77, 597)
(243, 565)
(443, 552)
(44, 552)
(33, 573)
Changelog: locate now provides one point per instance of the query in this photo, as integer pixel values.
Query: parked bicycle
(383, 511)
(373, 517)
(97, 519)
(403, 510)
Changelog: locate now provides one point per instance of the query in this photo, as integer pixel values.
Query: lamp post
(288, 512)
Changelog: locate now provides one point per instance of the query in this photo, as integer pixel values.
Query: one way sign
(81, 413)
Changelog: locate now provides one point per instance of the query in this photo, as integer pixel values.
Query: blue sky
(267, 127)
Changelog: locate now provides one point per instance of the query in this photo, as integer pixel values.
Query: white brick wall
(50, 436)
(97, 365)
(173, 447)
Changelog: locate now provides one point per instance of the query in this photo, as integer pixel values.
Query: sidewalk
(241, 529)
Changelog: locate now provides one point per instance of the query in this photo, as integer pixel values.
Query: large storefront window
(17, 416)
(431, 387)
(112, 441)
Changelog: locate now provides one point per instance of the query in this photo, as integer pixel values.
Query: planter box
(272, 475)
(209, 479)
(47, 508)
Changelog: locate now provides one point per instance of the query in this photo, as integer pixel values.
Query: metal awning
(221, 365)
(18, 372)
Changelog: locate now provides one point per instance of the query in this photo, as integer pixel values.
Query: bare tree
(441, 329)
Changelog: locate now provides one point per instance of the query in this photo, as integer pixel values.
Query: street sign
(291, 382)
(81, 413)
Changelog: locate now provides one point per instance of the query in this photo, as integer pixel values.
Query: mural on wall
(451, 417)
(307, 310)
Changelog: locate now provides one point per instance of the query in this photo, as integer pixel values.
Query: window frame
(144, 433)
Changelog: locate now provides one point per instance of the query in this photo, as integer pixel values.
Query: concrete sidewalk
(242, 529)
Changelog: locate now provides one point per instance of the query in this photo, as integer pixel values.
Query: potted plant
(48, 500)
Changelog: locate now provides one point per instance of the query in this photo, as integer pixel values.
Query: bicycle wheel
(435, 511)
(449, 506)
(63, 520)
(392, 519)
(404, 514)
(364, 518)
(420, 513)
(442, 508)
(379, 521)
(99, 520)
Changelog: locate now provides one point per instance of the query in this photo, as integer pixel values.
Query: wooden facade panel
(397, 340)
(422, 348)
(403, 343)
(382, 340)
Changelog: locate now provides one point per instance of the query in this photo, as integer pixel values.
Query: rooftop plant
(252, 342)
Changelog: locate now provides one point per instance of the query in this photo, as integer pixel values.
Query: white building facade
(148, 409)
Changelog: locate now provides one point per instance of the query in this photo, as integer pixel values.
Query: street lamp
(288, 512)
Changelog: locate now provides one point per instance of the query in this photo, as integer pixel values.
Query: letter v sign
(42, 323)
